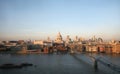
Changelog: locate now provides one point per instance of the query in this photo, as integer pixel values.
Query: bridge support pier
(96, 65)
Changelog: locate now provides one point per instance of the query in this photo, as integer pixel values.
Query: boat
(10, 66)
(26, 64)
(13, 66)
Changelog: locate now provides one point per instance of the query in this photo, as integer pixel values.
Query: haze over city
(38, 19)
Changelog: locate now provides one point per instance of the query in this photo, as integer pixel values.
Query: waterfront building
(40, 42)
(49, 44)
(101, 48)
(21, 42)
(23, 50)
(11, 43)
(46, 50)
(91, 48)
(43, 43)
(115, 47)
(108, 48)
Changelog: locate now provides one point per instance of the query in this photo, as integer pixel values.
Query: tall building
(76, 39)
(48, 39)
(68, 39)
(100, 40)
(94, 39)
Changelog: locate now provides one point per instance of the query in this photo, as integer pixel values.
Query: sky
(38, 19)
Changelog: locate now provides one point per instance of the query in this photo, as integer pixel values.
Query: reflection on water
(52, 64)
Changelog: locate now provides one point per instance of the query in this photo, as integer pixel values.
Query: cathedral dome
(59, 38)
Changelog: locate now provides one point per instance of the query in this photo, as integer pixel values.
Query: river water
(54, 64)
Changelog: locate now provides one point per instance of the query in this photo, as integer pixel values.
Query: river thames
(57, 64)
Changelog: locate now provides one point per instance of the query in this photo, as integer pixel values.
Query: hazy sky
(38, 19)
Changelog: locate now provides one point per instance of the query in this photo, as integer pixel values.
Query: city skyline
(39, 19)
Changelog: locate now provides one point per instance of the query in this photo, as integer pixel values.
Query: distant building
(21, 41)
(76, 39)
(49, 44)
(81, 39)
(112, 42)
(11, 43)
(48, 39)
(68, 40)
(100, 40)
(2, 43)
(59, 39)
(94, 39)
